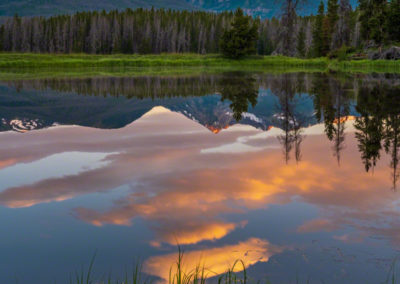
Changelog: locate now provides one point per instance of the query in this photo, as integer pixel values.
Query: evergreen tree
(393, 21)
(332, 18)
(373, 18)
(378, 20)
(365, 9)
(301, 42)
(240, 40)
(287, 31)
(159, 30)
(318, 44)
(343, 30)
(326, 37)
(1, 38)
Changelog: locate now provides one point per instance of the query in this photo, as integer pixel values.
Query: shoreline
(18, 61)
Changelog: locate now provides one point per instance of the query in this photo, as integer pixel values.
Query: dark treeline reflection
(371, 100)
(332, 100)
(378, 125)
(165, 86)
(129, 87)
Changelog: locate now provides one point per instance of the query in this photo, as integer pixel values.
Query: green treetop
(240, 40)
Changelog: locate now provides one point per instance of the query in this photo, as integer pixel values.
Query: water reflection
(290, 119)
(224, 196)
(215, 260)
(378, 125)
(241, 90)
(332, 100)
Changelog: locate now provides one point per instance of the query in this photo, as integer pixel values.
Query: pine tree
(318, 44)
(1, 38)
(377, 21)
(332, 18)
(373, 18)
(343, 30)
(241, 39)
(393, 21)
(365, 9)
(301, 42)
(326, 36)
(288, 20)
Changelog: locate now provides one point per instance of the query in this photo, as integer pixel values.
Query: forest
(337, 29)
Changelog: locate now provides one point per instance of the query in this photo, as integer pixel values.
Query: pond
(295, 174)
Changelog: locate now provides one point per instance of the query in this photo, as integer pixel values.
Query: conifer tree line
(337, 26)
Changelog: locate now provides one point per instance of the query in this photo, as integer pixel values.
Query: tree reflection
(290, 121)
(370, 126)
(332, 104)
(377, 106)
(241, 89)
(379, 126)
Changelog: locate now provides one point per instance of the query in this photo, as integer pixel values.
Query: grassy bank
(12, 74)
(15, 60)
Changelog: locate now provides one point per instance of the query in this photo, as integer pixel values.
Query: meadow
(33, 61)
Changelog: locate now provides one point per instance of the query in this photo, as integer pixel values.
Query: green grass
(29, 61)
(198, 275)
(15, 66)
(177, 275)
(366, 66)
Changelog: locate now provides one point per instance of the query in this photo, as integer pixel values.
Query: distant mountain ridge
(264, 9)
(55, 7)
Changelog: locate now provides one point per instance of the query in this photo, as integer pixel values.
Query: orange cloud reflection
(215, 260)
(7, 163)
(177, 186)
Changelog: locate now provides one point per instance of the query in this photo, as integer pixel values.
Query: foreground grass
(177, 275)
(236, 274)
(30, 60)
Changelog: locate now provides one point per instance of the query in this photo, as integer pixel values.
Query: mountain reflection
(260, 100)
(195, 197)
(155, 159)
(241, 90)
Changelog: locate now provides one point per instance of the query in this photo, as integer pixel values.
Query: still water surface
(296, 174)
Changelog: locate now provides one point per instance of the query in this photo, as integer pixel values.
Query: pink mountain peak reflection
(163, 157)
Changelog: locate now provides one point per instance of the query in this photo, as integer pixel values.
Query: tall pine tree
(318, 43)
(240, 40)
(301, 42)
(393, 21)
(332, 18)
(377, 22)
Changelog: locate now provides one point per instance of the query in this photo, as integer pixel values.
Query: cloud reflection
(215, 260)
(185, 192)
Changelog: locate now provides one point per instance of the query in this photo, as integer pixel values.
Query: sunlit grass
(177, 275)
(31, 65)
(198, 275)
(31, 60)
